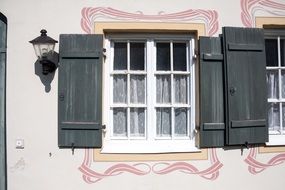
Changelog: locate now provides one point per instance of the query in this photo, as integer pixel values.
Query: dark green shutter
(3, 42)
(212, 117)
(244, 58)
(80, 91)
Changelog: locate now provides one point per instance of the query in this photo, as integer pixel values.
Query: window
(144, 94)
(151, 102)
(275, 68)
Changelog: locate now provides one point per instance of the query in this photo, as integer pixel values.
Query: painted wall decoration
(208, 17)
(249, 9)
(91, 175)
(255, 166)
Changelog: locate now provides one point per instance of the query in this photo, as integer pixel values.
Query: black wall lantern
(44, 49)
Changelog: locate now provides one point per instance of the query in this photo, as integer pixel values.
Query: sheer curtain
(163, 115)
(120, 88)
(163, 96)
(180, 121)
(120, 96)
(137, 96)
(274, 117)
(272, 84)
(181, 96)
(180, 89)
(273, 93)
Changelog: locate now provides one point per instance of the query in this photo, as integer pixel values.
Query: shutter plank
(3, 45)
(248, 123)
(212, 124)
(80, 91)
(246, 85)
(245, 47)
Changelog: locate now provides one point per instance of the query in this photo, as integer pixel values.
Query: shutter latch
(61, 97)
(233, 90)
(72, 148)
(246, 145)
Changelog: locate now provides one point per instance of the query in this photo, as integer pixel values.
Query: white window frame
(277, 138)
(149, 144)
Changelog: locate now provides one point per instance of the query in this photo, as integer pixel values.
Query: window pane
(179, 57)
(163, 122)
(272, 84)
(163, 56)
(282, 51)
(181, 122)
(274, 117)
(137, 122)
(137, 56)
(283, 117)
(163, 89)
(283, 83)
(120, 56)
(120, 88)
(120, 122)
(137, 89)
(271, 48)
(180, 88)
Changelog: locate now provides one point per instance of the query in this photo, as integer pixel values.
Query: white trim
(275, 140)
(150, 143)
(156, 146)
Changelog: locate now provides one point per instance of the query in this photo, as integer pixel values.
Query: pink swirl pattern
(210, 173)
(140, 169)
(91, 176)
(249, 8)
(208, 17)
(255, 166)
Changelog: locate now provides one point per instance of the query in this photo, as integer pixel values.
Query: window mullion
(172, 91)
(188, 101)
(110, 67)
(280, 85)
(128, 90)
(151, 89)
(191, 89)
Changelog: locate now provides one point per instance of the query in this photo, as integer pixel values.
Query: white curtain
(180, 89)
(137, 96)
(120, 88)
(274, 117)
(120, 122)
(181, 121)
(272, 84)
(163, 90)
(137, 89)
(137, 122)
(163, 96)
(163, 122)
(283, 84)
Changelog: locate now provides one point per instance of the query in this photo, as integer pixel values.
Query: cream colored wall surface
(32, 112)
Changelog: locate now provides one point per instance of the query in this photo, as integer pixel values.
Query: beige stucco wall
(32, 112)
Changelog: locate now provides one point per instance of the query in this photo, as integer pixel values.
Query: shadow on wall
(46, 79)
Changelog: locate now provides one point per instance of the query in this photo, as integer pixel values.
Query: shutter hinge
(104, 52)
(104, 129)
